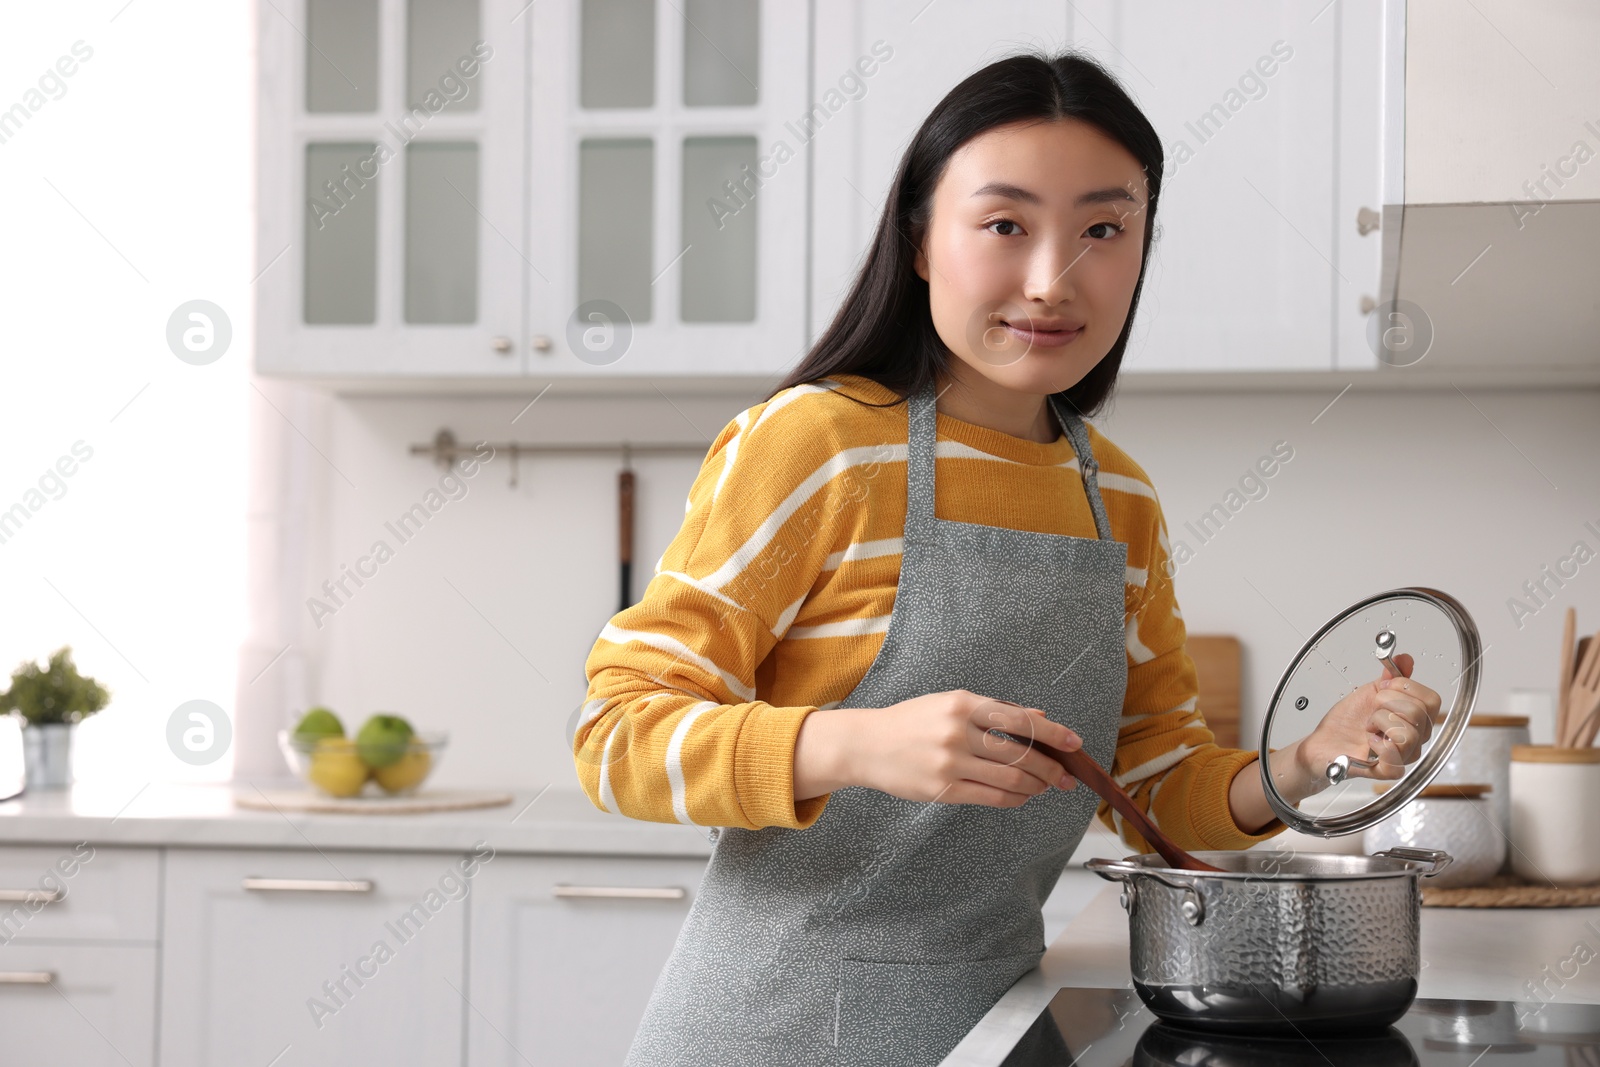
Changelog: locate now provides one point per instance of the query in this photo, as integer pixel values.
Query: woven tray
(427, 800)
(1509, 891)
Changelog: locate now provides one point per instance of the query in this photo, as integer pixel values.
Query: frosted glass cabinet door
(392, 140)
(684, 162)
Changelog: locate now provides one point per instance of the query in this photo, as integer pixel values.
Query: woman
(910, 562)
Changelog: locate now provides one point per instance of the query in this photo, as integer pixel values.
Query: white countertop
(1467, 953)
(558, 819)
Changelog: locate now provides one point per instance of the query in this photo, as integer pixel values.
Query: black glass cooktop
(1113, 1028)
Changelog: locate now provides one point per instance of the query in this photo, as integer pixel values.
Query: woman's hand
(1391, 717)
(936, 747)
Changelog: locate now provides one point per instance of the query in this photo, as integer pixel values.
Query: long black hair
(884, 328)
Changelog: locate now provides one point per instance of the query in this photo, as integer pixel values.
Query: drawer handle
(28, 896)
(308, 885)
(614, 892)
(27, 977)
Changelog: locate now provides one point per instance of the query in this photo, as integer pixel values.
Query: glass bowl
(334, 765)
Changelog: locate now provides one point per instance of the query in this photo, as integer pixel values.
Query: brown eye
(1113, 225)
(1002, 222)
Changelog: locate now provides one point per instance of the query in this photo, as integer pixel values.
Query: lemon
(336, 767)
(405, 772)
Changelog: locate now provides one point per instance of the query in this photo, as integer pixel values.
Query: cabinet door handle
(615, 892)
(28, 896)
(27, 977)
(308, 885)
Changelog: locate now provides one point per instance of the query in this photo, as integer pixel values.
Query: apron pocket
(894, 1012)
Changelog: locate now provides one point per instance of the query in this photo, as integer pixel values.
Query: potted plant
(52, 701)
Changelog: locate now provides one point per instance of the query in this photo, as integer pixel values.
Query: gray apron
(883, 932)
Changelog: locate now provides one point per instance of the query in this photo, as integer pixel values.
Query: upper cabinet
(391, 202)
(477, 193)
(476, 189)
(1269, 114)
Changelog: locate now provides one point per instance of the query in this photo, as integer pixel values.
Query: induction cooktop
(1113, 1028)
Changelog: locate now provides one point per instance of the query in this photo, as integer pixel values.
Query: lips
(1039, 326)
(1044, 335)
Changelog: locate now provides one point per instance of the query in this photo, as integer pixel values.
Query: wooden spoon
(1569, 632)
(1087, 771)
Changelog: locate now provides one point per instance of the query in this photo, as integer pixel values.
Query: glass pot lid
(1348, 652)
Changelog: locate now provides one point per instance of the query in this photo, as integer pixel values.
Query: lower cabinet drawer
(77, 1005)
(565, 951)
(78, 892)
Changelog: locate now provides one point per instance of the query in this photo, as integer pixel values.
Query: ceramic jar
(1555, 814)
(1484, 755)
(1455, 818)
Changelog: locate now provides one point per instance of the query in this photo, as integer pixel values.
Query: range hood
(1496, 233)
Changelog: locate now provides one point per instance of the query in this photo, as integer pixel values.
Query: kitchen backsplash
(469, 605)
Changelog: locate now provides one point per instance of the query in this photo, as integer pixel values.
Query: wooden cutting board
(1217, 663)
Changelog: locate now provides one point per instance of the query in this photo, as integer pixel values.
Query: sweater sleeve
(671, 730)
(1166, 756)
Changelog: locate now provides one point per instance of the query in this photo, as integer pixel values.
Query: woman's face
(1037, 231)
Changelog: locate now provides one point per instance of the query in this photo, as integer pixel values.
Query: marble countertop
(557, 819)
(1467, 953)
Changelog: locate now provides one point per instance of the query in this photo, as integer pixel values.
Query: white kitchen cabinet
(668, 180)
(78, 1005)
(321, 957)
(78, 955)
(616, 189)
(565, 951)
(1257, 257)
(391, 137)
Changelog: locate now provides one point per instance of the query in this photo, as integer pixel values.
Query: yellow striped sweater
(774, 597)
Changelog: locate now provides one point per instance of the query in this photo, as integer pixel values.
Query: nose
(1050, 271)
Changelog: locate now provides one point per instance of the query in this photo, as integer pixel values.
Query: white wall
(481, 623)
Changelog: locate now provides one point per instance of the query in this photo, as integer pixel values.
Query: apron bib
(883, 932)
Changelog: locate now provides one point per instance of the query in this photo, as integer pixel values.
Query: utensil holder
(1555, 814)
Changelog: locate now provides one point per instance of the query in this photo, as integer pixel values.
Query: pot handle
(1437, 859)
(1111, 870)
(1193, 907)
(1122, 871)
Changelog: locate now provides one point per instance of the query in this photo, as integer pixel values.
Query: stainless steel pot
(1311, 944)
(1288, 941)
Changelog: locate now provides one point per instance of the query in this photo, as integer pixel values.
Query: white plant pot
(47, 754)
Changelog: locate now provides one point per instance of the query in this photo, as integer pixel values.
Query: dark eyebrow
(1098, 196)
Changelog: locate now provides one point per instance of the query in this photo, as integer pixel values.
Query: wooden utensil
(1087, 771)
(1578, 654)
(1569, 633)
(1584, 698)
(625, 533)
